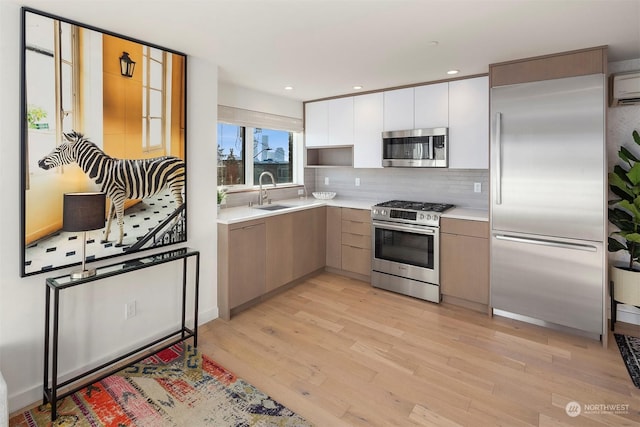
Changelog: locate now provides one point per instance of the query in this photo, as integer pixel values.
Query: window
(153, 98)
(52, 93)
(272, 152)
(267, 150)
(230, 155)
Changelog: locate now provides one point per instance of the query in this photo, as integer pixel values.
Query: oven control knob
(435, 217)
(428, 217)
(375, 211)
(421, 216)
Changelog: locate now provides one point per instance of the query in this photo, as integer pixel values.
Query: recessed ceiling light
(433, 43)
(357, 87)
(288, 88)
(453, 71)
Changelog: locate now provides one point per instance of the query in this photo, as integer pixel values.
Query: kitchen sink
(272, 207)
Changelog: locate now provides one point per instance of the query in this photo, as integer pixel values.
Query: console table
(57, 284)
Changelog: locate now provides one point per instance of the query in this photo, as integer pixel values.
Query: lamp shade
(83, 211)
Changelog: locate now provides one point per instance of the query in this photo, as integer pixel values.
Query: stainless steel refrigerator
(548, 207)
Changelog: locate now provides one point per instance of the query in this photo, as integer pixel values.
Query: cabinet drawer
(465, 227)
(357, 260)
(357, 240)
(358, 215)
(356, 227)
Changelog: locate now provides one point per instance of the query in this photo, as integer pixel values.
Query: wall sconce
(126, 65)
(83, 212)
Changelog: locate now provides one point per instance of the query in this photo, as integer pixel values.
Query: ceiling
(324, 47)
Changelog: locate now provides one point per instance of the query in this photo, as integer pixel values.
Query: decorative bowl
(324, 195)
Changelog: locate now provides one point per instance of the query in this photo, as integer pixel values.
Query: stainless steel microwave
(416, 148)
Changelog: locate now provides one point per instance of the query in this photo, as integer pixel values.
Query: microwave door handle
(431, 153)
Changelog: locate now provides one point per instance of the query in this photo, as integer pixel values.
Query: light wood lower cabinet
(245, 261)
(309, 231)
(279, 251)
(258, 257)
(464, 262)
(334, 237)
(349, 240)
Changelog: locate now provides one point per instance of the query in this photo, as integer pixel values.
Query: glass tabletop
(66, 281)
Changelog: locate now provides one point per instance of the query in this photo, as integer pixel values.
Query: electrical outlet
(477, 187)
(300, 192)
(130, 310)
(326, 180)
(357, 182)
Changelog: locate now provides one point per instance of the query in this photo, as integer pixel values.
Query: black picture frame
(73, 90)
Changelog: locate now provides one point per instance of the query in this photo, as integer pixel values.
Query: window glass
(231, 151)
(272, 152)
(154, 92)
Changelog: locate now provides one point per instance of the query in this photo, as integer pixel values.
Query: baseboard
(33, 395)
(628, 314)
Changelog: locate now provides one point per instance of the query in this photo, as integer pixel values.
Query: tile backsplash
(454, 186)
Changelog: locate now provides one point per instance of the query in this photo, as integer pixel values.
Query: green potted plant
(624, 213)
(222, 194)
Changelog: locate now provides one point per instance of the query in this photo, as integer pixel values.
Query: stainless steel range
(406, 248)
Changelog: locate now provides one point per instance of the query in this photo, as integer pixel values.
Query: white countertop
(467, 213)
(245, 213)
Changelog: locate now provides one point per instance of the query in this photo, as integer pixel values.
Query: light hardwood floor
(340, 352)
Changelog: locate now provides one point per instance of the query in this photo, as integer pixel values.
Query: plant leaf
(634, 174)
(636, 137)
(615, 246)
(616, 181)
(626, 155)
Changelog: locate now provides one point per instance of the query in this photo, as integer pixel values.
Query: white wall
(92, 320)
(248, 99)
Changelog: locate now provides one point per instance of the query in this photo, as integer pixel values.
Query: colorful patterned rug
(630, 350)
(174, 387)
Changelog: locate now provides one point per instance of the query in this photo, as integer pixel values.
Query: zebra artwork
(119, 179)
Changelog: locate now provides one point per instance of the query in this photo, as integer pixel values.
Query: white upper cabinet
(367, 130)
(469, 123)
(398, 109)
(341, 121)
(431, 106)
(329, 123)
(316, 124)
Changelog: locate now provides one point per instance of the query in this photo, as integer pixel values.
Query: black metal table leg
(47, 315)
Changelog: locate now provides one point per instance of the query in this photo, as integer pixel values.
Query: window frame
(295, 157)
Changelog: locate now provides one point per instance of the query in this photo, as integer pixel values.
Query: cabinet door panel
(279, 252)
(316, 124)
(341, 121)
(464, 263)
(368, 113)
(357, 260)
(309, 234)
(398, 109)
(246, 264)
(469, 123)
(431, 106)
(334, 235)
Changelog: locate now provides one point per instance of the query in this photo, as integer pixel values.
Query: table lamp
(83, 212)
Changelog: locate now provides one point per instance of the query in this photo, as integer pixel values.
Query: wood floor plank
(340, 352)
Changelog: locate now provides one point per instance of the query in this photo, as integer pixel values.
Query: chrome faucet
(262, 196)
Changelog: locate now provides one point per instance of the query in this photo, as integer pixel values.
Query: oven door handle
(408, 228)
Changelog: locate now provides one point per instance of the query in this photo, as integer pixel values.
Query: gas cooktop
(416, 206)
(407, 212)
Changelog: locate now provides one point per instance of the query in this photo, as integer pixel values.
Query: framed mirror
(100, 113)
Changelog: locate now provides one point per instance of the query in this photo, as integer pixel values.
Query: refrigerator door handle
(498, 158)
(563, 245)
